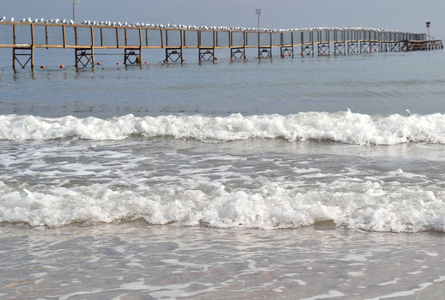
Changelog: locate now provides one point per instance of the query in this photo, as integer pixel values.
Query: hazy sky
(407, 15)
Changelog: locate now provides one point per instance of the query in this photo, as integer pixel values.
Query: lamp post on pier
(258, 12)
(428, 27)
(74, 2)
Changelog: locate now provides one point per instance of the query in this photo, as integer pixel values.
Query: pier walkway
(24, 37)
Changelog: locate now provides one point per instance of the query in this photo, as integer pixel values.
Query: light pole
(428, 27)
(258, 12)
(74, 2)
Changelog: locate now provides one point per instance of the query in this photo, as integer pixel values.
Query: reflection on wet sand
(137, 261)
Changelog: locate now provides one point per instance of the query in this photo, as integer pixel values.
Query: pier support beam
(237, 53)
(339, 49)
(173, 55)
(396, 47)
(23, 56)
(307, 50)
(264, 52)
(84, 57)
(206, 54)
(353, 48)
(365, 47)
(287, 51)
(132, 57)
(323, 49)
(375, 47)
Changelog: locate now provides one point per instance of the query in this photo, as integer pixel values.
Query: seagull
(3, 19)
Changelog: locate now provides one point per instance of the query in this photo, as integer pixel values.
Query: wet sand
(137, 261)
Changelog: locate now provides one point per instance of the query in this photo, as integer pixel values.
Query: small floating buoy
(118, 63)
(98, 63)
(259, 56)
(62, 66)
(231, 58)
(146, 62)
(302, 54)
(42, 67)
(321, 53)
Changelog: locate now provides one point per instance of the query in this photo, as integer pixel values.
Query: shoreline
(134, 259)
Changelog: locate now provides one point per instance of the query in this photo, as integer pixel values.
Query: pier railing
(24, 37)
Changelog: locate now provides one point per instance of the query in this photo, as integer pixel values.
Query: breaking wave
(342, 127)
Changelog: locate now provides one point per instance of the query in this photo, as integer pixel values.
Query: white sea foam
(344, 127)
(365, 206)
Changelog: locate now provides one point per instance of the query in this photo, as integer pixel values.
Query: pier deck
(24, 37)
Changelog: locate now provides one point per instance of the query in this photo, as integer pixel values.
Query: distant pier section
(84, 39)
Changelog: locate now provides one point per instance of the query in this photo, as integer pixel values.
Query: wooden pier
(24, 37)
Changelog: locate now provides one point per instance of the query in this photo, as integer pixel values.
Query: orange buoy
(231, 58)
(98, 63)
(118, 63)
(42, 67)
(62, 66)
(146, 62)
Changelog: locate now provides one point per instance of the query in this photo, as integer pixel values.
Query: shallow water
(136, 261)
(305, 178)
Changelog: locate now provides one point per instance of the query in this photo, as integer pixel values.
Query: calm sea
(304, 178)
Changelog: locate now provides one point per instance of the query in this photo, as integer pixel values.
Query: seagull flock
(190, 27)
(39, 21)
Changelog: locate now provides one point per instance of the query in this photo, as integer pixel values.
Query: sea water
(304, 178)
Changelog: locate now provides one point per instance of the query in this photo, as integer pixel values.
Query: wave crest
(343, 127)
(367, 206)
